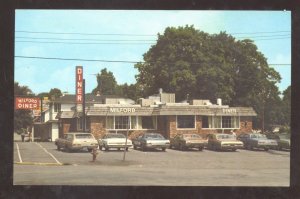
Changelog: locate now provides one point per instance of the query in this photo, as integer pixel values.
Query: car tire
(214, 148)
(163, 149)
(126, 148)
(279, 148)
(58, 147)
(181, 147)
(106, 148)
(250, 147)
(233, 149)
(134, 147)
(143, 148)
(266, 149)
(200, 148)
(68, 149)
(100, 148)
(89, 150)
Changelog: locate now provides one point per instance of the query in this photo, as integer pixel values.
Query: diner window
(205, 122)
(79, 123)
(57, 107)
(136, 122)
(226, 122)
(218, 122)
(121, 122)
(186, 121)
(148, 122)
(110, 123)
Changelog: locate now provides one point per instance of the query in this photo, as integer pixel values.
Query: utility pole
(83, 105)
(126, 138)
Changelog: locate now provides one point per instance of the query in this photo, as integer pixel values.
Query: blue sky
(271, 31)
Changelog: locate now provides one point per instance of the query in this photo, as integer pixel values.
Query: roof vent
(219, 101)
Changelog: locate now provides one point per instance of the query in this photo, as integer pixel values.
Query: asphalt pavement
(43, 164)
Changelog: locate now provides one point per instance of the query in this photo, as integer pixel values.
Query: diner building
(158, 113)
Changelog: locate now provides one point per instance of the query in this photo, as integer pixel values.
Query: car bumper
(266, 146)
(227, 147)
(83, 147)
(194, 145)
(157, 145)
(119, 145)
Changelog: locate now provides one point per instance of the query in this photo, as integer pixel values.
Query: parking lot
(42, 164)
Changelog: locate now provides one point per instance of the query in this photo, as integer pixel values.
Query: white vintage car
(114, 140)
(73, 141)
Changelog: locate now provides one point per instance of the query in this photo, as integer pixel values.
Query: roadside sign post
(124, 155)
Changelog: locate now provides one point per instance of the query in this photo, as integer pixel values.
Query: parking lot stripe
(40, 163)
(48, 153)
(19, 154)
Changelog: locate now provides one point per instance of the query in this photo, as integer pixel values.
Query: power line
(123, 43)
(259, 32)
(94, 43)
(51, 38)
(118, 61)
(76, 59)
(77, 33)
(79, 39)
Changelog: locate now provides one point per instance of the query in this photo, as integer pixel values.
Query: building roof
(89, 98)
(170, 110)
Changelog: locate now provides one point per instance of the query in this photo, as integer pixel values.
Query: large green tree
(107, 83)
(286, 106)
(55, 93)
(22, 118)
(210, 66)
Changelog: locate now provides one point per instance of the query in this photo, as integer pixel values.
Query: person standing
(30, 136)
(23, 135)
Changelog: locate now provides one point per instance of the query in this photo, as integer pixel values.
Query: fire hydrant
(94, 153)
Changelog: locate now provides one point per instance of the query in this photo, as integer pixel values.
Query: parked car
(283, 140)
(150, 140)
(223, 142)
(76, 141)
(257, 140)
(114, 140)
(186, 141)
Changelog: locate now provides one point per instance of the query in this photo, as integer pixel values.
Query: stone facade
(97, 126)
(166, 125)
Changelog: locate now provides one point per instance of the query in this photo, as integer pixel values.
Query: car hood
(260, 139)
(231, 141)
(285, 140)
(115, 139)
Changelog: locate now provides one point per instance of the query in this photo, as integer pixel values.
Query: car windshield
(191, 136)
(83, 136)
(225, 137)
(115, 136)
(258, 136)
(154, 136)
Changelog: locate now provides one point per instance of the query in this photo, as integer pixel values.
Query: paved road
(171, 168)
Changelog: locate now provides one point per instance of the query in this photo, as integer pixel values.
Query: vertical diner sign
(79, 86)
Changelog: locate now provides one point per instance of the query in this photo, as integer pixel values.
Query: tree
(55, 93)
(22, 118)
(286, 106)
(188, 61)
(106, 83)
(129, 91)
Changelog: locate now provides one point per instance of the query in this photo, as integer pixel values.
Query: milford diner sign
(79, 84)
(27, 103)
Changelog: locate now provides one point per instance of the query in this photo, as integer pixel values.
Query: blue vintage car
(257, 140)
(150, 140)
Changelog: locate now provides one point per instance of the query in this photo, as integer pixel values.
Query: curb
(42, 164)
